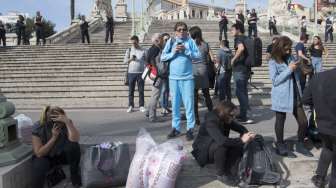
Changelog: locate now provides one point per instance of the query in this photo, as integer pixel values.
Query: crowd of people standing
(189, 58)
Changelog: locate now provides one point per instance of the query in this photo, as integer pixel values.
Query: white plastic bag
(25, 127)
(155, 166)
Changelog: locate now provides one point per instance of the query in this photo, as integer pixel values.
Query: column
(72, 10)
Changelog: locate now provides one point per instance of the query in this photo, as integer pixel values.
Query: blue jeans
(224, 83)
(182, 89)
(317, 64)
(164, 100)
(135, 78)
(241, 81)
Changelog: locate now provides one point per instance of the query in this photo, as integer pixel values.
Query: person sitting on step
(213, 144)
(55, 142)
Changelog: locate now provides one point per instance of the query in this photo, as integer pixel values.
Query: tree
(48, 26)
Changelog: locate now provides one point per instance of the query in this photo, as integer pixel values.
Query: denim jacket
(282, 95)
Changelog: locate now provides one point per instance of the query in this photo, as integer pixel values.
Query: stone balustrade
(72, 31)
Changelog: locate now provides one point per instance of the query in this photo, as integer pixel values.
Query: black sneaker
(174, 133)
(281, 149)
(190, 135)
(318, 181)
(300, 148)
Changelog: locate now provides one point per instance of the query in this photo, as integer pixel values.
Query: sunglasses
(182, 30)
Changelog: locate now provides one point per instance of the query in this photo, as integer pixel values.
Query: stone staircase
(90, 76)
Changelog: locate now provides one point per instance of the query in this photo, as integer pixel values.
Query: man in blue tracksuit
(180, 52)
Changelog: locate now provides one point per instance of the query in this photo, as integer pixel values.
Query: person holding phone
(55, 142)
(286, 95)
(180, 52)
(135, 58)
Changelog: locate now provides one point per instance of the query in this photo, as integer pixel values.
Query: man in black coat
(20, 30)
(2, 34)
(39, 30)
(223, 23)
(84, 27)
(213, 144)
(109, 28)
(320, 94)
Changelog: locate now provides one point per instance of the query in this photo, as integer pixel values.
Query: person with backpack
(316, 52)
(20, 30)
(213, 143)
(224, 56)
(153, 59)
(223, 23)
(201, 70)
(2, 34)
(252, 19)
(320, 93)
(179, 53)
(109, 28)
(286, 96)
(164, 100)
(241, 71)
(134, 58)
(39, 30)
(329, 29)
(84, 27)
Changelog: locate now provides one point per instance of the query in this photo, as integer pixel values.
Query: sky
(59, 10)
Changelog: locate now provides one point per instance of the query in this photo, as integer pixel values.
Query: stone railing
(72, 31)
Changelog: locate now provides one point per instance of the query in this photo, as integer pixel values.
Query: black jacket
(321, 93)
(215, 130)
(109, 23)
(84, 26)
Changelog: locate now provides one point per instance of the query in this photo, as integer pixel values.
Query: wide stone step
(85, 83)
(86, 103)
(36, 93)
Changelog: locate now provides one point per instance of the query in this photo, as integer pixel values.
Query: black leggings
(42, 165)
(300, 116)
(208, 101)
(226, 159)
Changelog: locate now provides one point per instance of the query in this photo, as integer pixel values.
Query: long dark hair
(280, 47)
(320, 43)
(196, 34)
(224, 110)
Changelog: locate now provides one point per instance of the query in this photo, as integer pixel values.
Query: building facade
(179, 9)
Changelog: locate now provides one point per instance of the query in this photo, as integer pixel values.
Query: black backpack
(254, 51)
(257, 165)
(163, 66)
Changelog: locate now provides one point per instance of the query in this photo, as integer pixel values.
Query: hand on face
(59, 118)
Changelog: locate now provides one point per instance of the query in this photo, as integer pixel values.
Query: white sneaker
(142, 109)
(130, 109)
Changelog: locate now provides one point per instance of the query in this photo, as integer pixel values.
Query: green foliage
(48, 26)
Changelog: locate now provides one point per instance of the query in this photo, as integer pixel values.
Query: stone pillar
(240, 5)
(72, 9)
(11, 149)
(121, 11)
(101, 8)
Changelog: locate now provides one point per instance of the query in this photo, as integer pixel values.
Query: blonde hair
(49, 109)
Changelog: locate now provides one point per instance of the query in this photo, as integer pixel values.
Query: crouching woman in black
(213, 144)
(55, 142)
